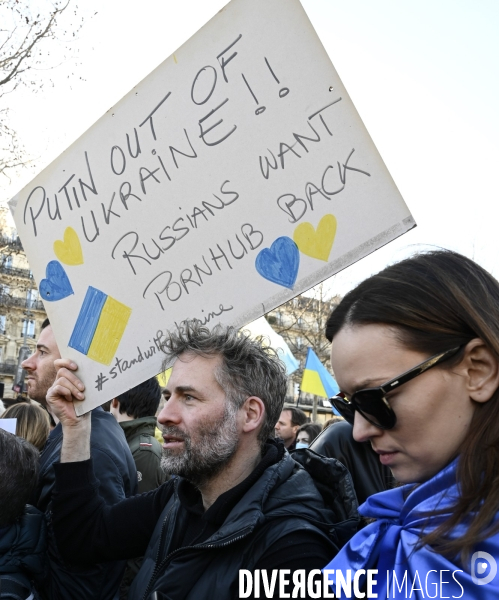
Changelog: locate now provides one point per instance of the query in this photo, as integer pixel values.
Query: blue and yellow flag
(100, 326)
(316, 378)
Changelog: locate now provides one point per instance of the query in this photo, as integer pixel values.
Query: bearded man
(238, 500)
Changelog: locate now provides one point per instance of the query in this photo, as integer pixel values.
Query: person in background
(135, 411)
(416, 354)
(288, 424)
(334, 419)
(306, 434)
(8, 402)
(32, 424)
(115, 470)
(22, 527)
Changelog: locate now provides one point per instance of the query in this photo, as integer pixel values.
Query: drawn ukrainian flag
(100, 326)
(316, 378)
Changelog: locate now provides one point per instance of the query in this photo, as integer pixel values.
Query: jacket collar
(282, 489)
(143, 425)
(191, 500)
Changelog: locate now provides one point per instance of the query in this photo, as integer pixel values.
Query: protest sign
(8, 425)
(235, 176)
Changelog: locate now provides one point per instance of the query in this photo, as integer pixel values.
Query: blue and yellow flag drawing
(316, 378)
(100, 326)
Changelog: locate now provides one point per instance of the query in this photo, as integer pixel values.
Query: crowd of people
(224, 492)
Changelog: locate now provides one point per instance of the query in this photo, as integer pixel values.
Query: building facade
(21, 313)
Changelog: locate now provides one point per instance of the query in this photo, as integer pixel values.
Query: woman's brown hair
(33, 423)
(436, 301)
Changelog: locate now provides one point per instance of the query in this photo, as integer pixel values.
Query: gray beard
(216, 444)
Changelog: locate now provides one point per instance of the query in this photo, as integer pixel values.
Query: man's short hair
(298, 417)
(18, 475)
(249, 367)
(142, 400)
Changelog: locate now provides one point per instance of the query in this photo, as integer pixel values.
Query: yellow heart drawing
(316, 244)
(69, 251)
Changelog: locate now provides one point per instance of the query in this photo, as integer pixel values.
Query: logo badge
(481, 562)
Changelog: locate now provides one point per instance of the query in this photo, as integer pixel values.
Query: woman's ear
(481, 369)
(253, 413)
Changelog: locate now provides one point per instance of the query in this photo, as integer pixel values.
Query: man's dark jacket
(146, 452)
(117, 476)
(282, 500)
(23, 547)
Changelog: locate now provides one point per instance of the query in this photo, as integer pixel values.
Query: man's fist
(66, 388)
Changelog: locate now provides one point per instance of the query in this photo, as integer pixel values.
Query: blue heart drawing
(280, 262)
(57, 285)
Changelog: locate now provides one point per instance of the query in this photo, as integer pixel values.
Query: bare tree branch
(16, 50)
(27, 25)
(302, 323)
(11, 154)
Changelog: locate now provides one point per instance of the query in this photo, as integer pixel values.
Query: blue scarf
(389, 543)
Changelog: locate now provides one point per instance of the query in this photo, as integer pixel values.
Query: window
(3, 323)
(7, 261)
(31, 297)
(28, 328)
(4, 290)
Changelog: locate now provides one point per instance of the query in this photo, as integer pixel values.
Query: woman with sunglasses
(416, 354)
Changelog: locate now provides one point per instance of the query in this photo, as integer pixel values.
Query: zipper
(156, 567)
(163, 563)
(231, 541)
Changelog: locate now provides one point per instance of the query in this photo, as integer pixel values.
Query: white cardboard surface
(8, 425)
(237, 175)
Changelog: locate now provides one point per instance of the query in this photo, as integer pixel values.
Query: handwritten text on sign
(235, 176)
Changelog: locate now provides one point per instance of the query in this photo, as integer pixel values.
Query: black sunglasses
(371, 402)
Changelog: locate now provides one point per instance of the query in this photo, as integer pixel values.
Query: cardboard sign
(235, 176)
(8, 425)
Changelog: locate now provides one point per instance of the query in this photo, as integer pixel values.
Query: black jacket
(146, 452)
(115, 470)
(279, 501)
(282, 500)
(23, 547)
(368, 474)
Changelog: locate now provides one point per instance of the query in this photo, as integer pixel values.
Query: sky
(422, 74)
